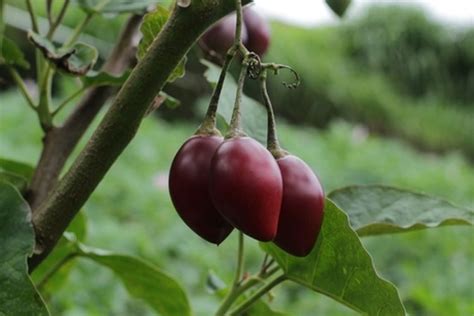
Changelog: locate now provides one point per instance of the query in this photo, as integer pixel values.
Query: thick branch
(122, 120)
(59, 142)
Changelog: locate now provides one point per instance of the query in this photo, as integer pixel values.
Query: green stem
(242, 307)
(273, 144)
(45, 99)
(235, 120)
(78, 30)
(236, 289)
(67, 100)
(31, 11)
(58, 20)
(208, 126)
(55, 269)
(21, 84)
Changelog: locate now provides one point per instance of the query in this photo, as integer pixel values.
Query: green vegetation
(407, 77)
(131, 213)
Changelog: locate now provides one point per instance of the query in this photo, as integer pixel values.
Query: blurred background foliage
(387, 97)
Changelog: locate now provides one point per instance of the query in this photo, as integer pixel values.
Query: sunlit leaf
(18, 295)
(340, 267)
(375, 210)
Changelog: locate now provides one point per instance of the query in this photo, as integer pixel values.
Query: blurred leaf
(19, 182)
(77, 60)
(95, 78)
(254, 115)
(18, 296)
(261, 308)
(10, 54)
(19, 168)
(214, 283)
(115, 6)
(144, 281)
(170, 101)
(152, 24)
(340, 267)
(376, 210)
(338, 6)
(65, 247)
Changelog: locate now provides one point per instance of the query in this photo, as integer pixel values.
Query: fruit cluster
(255, 33)
(218, 184)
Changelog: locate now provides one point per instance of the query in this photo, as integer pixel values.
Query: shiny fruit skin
(258, 31)
(188, 186)
(220, 37)
(246, 187)
(301, 213)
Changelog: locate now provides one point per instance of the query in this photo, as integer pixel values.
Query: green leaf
(115, 6)
(94, 78)
(375, 210)
(170, 102)
(152, 24)
(77, 60)
(338, 6)
(340, 267)
(261, 308)
(18, 296)
(65, 247)
(16, 167)
(144, 281)
(254, 115)
(19, 182)
(10, 54)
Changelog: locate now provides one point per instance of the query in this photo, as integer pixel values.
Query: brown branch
(59, 142)
(122, 120)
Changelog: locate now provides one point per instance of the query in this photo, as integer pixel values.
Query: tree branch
(59, 142)
(122, 120)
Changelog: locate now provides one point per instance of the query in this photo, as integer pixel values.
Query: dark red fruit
(246, 187)
(188, 185)
(220, 37)
(301, 213)
(258, 31)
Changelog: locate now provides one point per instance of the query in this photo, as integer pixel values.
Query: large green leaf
(16, 173)
(144, 281)
(16, 167)
(375, 210)
(18, 296)
(66, 246)
(340, 267)
(152, 24)
(254, 115)
(10, 54)
(76, 60)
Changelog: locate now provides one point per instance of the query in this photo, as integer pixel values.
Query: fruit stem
(208, 126)
(235, 129)
(236, 289)
(255, 296)
(273, 144)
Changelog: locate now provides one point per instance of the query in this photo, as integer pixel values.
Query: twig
(122, 120)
